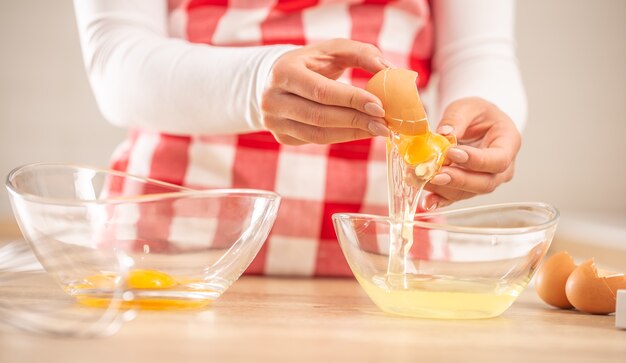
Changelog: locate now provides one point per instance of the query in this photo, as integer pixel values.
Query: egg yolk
(424, 148)
(139, 279)
(136, 279)
(149, 279)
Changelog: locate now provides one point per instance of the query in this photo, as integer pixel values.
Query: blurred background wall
(572, 54)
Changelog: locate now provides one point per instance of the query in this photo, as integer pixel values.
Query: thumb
(459, 115)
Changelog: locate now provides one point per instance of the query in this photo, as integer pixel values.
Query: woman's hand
(304, 103)
(485, 157)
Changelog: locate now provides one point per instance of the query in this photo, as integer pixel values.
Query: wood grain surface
(314, 320)
(330, 320)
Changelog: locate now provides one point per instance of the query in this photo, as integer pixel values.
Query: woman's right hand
(303, 102)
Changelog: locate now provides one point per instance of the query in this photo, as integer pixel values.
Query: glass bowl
(180, 248)
(462, 264)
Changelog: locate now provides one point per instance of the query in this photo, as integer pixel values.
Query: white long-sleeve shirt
(188, 80)
(144, 76)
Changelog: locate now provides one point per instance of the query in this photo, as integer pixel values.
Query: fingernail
(386, 63)
(374, 109)
(378, 129)
(432, 206)
(457, 155)
(441, 179)
(445, 129)
(443, 204)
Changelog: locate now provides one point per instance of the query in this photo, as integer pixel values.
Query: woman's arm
(475, 55)
(143, 78)
(481, 97)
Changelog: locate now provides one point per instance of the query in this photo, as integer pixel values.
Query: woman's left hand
(485, 157)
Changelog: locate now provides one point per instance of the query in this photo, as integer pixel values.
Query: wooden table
(316, 320)
(329, 320)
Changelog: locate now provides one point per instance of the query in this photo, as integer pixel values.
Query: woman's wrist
(263, 72)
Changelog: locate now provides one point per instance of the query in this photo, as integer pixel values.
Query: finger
(317, 135)
(288, 140)
(270, 122)
(315, 114)
(489, 160)
(315, 87)
(460, 114)
(500, 142)
(435, 201)
(356, 54)
(466, 180)
(441, 196)
(448, 193)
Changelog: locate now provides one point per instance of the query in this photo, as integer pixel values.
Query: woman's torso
(314, 181)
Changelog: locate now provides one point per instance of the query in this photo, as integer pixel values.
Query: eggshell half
(397, 90)
(551, 279)
(615, 281)
(593, 293)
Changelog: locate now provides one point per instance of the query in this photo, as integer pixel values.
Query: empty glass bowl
(461, 264)
(169, 246)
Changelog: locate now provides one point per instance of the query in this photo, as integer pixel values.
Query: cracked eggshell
(397, 90)
(593, 291)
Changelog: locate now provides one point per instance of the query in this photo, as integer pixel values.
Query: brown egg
(593, 292)
(552, 277)
(397, 90)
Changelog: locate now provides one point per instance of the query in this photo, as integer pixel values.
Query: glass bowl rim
(467, 229)
(183, 191)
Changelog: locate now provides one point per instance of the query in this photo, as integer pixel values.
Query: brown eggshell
(589, 292)
(551, 279)
(452, 139)
(615, 282)
(397, 90)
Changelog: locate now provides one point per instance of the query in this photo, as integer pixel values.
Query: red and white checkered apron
(314, 181)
